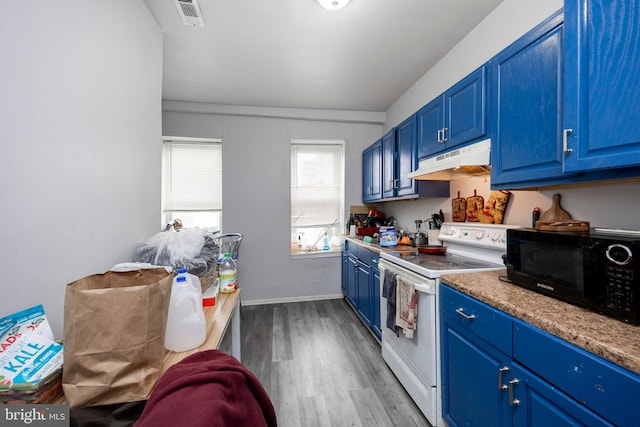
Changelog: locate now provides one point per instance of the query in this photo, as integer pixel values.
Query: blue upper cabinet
(398, 159)
(389, 164)
(602, 84)
(456, 117)
(466, 109)
(430, 120)
(526, 80)
(386, 165)
(372, 172)
(407, 160)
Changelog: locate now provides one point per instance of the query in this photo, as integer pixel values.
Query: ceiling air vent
(190, 12)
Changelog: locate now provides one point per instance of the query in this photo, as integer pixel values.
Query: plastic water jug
(192, 279)
(186, 325)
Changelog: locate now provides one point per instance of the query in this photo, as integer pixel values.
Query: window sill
(317, 254)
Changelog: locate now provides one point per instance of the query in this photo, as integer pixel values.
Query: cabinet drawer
(486, 322)
(604, 387)
(364, 254)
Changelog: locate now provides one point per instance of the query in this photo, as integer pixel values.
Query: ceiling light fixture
(333, 4)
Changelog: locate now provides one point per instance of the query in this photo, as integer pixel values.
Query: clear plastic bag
(194, 249)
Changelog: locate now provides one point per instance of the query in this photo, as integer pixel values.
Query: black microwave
(591, 269)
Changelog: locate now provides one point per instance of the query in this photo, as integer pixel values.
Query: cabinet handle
(512, 384)
(440, 135)
(565, 141)
(395, 183)
(444, 131)
(501, 372)
(461, 312)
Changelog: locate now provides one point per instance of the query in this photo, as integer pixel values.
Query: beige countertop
(608, 338)
(376, 246)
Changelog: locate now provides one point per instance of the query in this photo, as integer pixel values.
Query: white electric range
(470, 247)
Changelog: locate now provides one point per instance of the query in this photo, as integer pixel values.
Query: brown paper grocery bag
(114, 327)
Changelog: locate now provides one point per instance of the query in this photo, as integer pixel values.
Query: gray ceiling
(293, 53)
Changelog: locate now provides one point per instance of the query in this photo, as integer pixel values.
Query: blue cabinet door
(363, 292)
(430, 122)
(475, 348)
(536, 403)
(470, 396)
(389, 164)
(345, 269)
(352, 284)
(526, 107)
(375, 298)
(372, 172)
(406, 150)
(602, 84)
(466, 109)
(366, 174)
(456, 117)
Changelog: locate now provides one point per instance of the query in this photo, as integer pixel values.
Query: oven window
(562, 265)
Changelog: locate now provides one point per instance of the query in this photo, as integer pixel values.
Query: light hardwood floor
(322, 367)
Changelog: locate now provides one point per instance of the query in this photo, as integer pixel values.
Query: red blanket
(209, 388)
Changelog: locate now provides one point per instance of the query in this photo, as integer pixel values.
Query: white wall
(603, 205)
(504, 25)
(80, 115)
(256, 189)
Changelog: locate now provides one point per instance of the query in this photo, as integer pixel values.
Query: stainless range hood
(472, 160)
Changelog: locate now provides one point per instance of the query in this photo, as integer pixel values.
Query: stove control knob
(495, 237)
(479, 234)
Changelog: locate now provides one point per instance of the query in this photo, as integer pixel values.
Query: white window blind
(316, 190)
(192, 182)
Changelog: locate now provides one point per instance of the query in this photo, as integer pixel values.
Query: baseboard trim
(291, 299)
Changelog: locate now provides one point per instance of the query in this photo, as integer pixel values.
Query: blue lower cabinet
(361, 284)
(345, 266)
(375, 298)
(535, 380)
(474, 358)
(351, 289)
(363, 301)
(604, 387)
(469, 377)
(535, 402)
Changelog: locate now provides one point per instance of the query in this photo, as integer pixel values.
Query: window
(192, 182)
(317, 192)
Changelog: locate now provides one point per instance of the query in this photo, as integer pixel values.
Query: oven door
(414, 360)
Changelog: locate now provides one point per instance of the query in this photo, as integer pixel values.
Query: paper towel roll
(433, 238)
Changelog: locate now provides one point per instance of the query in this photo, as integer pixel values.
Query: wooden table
(225, 312)
(218, 318)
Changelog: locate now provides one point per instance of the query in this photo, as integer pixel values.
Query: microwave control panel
(620, 290)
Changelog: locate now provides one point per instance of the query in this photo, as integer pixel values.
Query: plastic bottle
(186, 325)
(192, 279)
(228, 274)
(325, 242)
